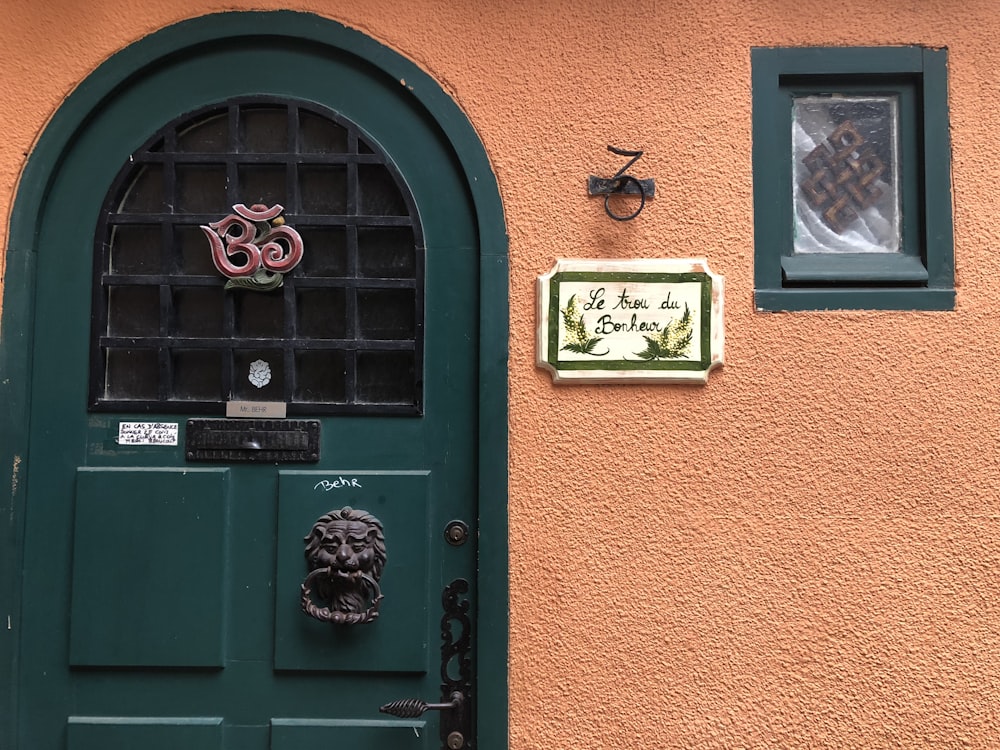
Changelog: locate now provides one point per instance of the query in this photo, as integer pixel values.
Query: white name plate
(256, 409)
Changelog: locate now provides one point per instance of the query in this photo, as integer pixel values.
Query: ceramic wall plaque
(630, 321)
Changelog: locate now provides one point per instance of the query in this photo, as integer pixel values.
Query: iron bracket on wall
(622, 183)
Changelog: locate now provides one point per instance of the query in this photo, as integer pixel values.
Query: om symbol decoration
(253, 248)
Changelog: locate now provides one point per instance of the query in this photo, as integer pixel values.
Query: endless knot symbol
(842, 177)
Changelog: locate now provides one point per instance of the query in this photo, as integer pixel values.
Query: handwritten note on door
(147, 433)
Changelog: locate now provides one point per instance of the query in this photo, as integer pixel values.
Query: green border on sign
(694, 277)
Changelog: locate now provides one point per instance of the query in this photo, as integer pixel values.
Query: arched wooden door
(251, 491)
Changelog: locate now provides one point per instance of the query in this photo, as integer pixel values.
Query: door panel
(294, 734)
(119, 733)
(149, 568)
(399, 499)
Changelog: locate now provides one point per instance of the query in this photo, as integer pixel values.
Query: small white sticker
(260, 373)
(147, 433)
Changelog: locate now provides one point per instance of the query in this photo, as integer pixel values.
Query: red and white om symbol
(241, 248)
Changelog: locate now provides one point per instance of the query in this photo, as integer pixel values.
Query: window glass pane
(259, 375)
(132, 374)
(386, 252)
(385, 377)
(197, 374)
(201, 189)
(321, 377)
(322, 314)
(198, 312)
(323, 190)
(136, 249)
(134, 311)
(319, 135)
(260, 314)
(263, 184)
(209, 136)
(846, 174)
(378, 194)
(265, 130)
(191, 249)
(145, 194)
(386, 314)
(327, 255)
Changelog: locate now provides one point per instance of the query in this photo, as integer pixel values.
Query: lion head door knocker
(253, 247)
(345, 552)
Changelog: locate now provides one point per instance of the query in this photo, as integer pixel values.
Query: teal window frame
(921, 276)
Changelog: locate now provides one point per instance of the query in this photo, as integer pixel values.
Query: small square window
(852, 193)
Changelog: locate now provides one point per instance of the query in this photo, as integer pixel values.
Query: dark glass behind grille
(344, 334)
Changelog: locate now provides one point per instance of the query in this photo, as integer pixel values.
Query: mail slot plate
(252, 440)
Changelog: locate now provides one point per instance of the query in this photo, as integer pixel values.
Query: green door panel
(397, 640)
(120, 733)
(149, 567)
(398, 734)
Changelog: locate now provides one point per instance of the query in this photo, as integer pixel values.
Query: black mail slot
(256, 440)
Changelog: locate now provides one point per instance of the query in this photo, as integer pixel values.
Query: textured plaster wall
(804, 552)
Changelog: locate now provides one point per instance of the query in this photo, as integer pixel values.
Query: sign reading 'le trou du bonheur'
(632, 320)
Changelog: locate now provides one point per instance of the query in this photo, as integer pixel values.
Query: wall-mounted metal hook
(622, 184)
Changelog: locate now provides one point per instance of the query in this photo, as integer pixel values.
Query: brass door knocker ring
(337, 617)
(345, 552)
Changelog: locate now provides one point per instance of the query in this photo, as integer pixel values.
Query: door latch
(456, 692)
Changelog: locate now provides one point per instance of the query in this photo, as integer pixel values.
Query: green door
(214, 468)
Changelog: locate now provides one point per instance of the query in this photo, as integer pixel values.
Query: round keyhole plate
(456, 533)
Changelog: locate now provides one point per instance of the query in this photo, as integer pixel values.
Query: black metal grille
(344, 334)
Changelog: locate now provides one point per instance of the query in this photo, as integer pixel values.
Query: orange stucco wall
(802, 553)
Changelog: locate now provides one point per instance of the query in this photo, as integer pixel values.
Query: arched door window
(340, 332)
